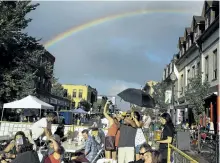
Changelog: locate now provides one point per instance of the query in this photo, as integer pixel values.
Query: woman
(113, 131)
(25, 152)
(139, 138)
(10, 150)
(167, 135)
(55, 151)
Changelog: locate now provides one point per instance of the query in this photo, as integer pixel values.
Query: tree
(148, 111)
(20, 54)
(159, 95)
(195, 94)
(85, 105)
(99, 104)
(57, 88)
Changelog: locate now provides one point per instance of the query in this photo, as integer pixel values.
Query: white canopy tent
(29, 102)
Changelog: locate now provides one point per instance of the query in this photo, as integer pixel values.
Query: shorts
(137, 149)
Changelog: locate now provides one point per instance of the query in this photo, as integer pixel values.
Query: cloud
(132, 49)
(119, 86)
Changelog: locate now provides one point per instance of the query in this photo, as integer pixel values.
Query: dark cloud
(132, 49)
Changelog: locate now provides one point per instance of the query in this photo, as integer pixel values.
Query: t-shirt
(127, 136)
(168, 131)
(51, 159)
(38, 128)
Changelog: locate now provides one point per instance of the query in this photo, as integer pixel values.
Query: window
(207, 19)
(183, 50)
(215, 64)
(188, 74)
(196, 32)
(193, 72)
(188, 77)
(190, 41)
(80, 93)
(198, 68)
(182, 84)
(74, 93)
(207, 68)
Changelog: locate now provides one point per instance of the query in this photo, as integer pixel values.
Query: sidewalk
(195, 155)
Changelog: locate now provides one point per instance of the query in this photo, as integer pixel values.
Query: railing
(178, 156)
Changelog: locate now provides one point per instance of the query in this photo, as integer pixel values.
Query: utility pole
(173, 78)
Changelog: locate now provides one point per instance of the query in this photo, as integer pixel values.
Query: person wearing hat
(55, 151)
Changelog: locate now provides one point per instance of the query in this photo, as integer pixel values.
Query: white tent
(29, 102)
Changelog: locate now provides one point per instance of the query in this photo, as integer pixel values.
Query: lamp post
(173, 79)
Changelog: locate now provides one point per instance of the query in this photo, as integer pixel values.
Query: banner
(168, 96)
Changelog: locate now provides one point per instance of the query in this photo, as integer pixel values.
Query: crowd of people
(129, 132)
(125, 141)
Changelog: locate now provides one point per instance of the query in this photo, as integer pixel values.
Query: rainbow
(102, 20)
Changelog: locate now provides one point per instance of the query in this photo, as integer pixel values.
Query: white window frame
(215, 64)
(207, 68)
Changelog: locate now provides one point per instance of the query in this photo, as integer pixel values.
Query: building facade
(150, 84)
(81, 92)
(198, 52)
(43, 85)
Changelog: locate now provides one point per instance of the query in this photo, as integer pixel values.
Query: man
(91, 148)
(41, 128)
(98, 135)
(145, 150)
(127, 140)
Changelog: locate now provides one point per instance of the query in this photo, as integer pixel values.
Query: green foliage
(99, 104)
(159, 95)
(148, 111)
(57, 88)
(85, 105)
(195, 94)
(20, 54)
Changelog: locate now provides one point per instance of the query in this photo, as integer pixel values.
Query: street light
(173, 78)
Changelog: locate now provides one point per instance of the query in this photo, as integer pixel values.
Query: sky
(116, 54)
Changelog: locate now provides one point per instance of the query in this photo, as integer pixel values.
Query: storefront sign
(53, 101)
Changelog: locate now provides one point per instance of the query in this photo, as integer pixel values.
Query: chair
(100, 154)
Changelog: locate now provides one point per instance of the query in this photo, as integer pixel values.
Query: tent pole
(2, 113)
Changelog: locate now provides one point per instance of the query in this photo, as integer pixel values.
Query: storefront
(59, 103)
